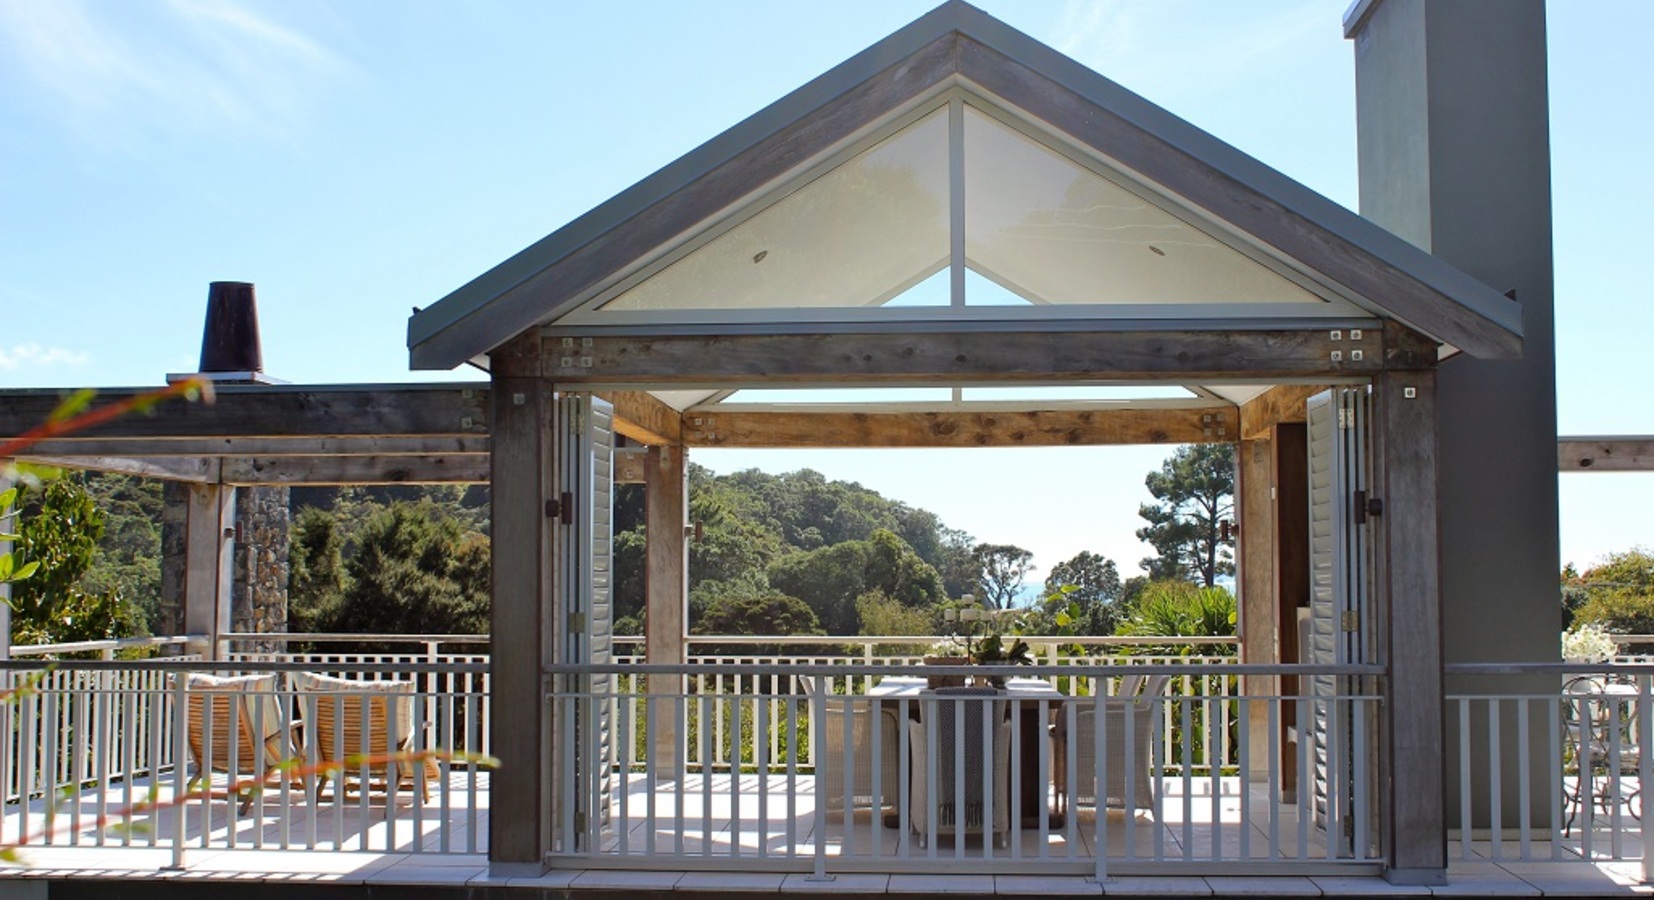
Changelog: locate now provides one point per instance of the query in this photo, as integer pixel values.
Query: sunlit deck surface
(362, 851)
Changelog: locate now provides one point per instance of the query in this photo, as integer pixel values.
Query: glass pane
(937, 290)
(864, 232)
(1062, 234)
(860, 396)
(1098, 392)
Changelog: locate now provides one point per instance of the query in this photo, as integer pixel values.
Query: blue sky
(358, 159)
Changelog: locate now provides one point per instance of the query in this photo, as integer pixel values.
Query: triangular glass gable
(874, 233)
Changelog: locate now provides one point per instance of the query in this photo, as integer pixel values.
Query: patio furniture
(963, 738)
(847, 748)
(1130, 726)
(355, 731)
(234, 725)
(1602, 748)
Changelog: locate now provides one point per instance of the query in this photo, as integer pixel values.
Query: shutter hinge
(1365, 506)
(1350, 620)
(577, 421)
(561, 508)
(579, 821)
(577, 621)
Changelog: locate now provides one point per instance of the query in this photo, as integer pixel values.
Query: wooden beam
(1283, 403)
(343, 470)
(276, 411)
(639, 416)
(1065, 428)
(201, 471)
(948, 358)
(349, 445)
(1605, 454)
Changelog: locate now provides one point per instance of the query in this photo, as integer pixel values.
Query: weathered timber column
(209, 555)
(1253, 464)
(1454, 146)
(1410, 591)
(519, 832)
(666, 592)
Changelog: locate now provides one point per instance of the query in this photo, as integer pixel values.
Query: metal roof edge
(474, 296)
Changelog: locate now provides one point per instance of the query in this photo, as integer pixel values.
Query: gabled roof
(1325, 260)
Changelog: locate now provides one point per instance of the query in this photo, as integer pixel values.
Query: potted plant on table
(980, 634)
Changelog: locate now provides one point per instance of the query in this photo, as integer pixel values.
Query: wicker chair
(359, 725)
(847, 749)
(1129, 757)
(986, 758)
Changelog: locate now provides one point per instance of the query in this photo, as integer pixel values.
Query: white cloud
(185, 65)
(35, 356)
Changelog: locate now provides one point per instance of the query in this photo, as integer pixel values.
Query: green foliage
(1617, 594)
(881, 614)
(128, 556)
(770, 613)
(1091, 582)
(57, 542)
(1001, 569)
(1175, 607)
(315, 571)
(414, 570)
(1195, 489)
(830, 579)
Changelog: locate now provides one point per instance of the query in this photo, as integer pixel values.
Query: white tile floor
(1479, 875)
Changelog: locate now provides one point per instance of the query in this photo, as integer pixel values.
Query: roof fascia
(449, 332)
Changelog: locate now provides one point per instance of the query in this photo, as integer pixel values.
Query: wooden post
(1289, 485)
(519, 834)
(1258, 628)
(666, 580)
(209, 554)
(1410, 587)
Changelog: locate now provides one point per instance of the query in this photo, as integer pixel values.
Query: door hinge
(577, 621)
(579, 821)
(1350, 620)
(561, 508)
(577, 421)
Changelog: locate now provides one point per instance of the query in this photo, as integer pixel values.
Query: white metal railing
(1201, 678)
(108, 648)
(742, 780)
(137, 754)
(1551, 761)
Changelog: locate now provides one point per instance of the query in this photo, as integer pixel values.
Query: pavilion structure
(960, 237)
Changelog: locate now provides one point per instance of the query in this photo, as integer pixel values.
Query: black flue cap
(230, 342)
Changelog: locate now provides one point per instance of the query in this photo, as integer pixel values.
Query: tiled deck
(379, 874)
(146, 871)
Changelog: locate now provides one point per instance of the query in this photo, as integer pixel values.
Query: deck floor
(290, 838)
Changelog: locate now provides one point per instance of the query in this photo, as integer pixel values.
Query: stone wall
(258, 599)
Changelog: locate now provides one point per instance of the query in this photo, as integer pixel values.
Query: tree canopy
(1195, 489)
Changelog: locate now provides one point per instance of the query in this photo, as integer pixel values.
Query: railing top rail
(1545, 668)
(1034, 671)
(111, 644)
(1112, 640)
(335, 637)
(245, 665)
